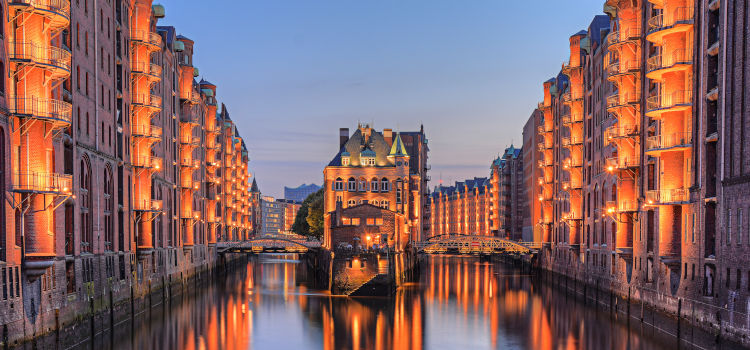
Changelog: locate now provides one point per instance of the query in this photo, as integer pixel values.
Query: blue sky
(292, 72)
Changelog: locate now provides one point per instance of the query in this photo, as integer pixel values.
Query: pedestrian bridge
(473, 244)
(268, 245)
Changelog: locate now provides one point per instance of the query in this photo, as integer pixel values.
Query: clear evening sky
(292, 72)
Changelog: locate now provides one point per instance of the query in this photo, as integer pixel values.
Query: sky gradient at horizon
(292, 72)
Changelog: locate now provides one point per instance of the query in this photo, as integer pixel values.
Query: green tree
(309, 219)
(315, 214)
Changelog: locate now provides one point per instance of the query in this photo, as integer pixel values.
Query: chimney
(343, 136)
(388, 136)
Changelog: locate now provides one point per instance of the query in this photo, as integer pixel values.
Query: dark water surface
(459, 303)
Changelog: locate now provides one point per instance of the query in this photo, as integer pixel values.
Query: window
(362, 185)
(398, 195)
(351, 203)
(374, 185)
(384, 204)
(739, 226)
(384, 185)
(85, 205)
(338, 185)
(109, 227)
(729, 228)
(355, 221)
(352, 185)
(346, 221)
(375, 203)
(379, 221)
(345, 161)
(371, 221)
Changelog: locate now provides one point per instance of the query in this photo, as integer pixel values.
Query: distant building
(507, 180)
(299, 194)
(256, 211)
(290, 209)
(463, 208)
(272, 216)
(532, 178)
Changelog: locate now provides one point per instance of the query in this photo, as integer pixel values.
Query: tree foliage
(309, 219)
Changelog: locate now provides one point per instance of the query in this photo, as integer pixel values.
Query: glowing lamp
(610, 210)
(610, 168)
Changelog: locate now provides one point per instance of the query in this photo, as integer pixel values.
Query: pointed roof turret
(254, 187)
(398, 149)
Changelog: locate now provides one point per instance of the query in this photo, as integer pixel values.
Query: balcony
(622, 206)
(190, 140)
(674, 101)
(669, 22)
(660, 64)
(57, 11)
(572, 163)
(619, 132)
(629, 33)
(146, 131)
(148, 162)
(146, 37)
(56, 112)
(669, 142)
(570, 141)
(545, 163)
(151, 70)
(54, 59)
(622, 163)
(148, 205)
(618, 69)
(668, 196)
(573, 184)
(619, 100)
(43, 183)
(190, 183)
(213, 129)
(572, 216)
(545, 196)
(150, 101)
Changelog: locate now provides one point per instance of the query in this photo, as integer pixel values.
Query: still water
(458, 303)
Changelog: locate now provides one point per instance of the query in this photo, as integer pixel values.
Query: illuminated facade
(376, 168)
(642, 177)
(110, 162)
(463, 208)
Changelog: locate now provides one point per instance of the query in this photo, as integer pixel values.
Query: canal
(458, 303)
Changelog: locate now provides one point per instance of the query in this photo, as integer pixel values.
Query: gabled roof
(356, 145)
(254, 187)
(398, 149)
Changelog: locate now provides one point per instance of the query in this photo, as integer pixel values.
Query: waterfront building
(506, 184)
(272, 212)
(300, 193)
(463, 208)
(291, 208)
(532, 178)
(375, 169)
(109, 161)
(643, 179)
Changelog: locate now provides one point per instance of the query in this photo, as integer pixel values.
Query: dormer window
(368, 161)
(345, 161)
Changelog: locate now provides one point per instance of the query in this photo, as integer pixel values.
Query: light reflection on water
(459, 303)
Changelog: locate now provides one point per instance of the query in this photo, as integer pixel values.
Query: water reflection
(458, 303)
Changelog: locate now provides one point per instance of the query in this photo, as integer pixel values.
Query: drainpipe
(96, 120)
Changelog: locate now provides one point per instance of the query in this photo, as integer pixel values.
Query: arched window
(384, 185)
(375, 203)
(374, 184)
(109, 226)
(398, 191)
(339, 184)
(85, 205)
(384, 204)
(614, 193)
(362, 185)
(352, 185)
(351, 203)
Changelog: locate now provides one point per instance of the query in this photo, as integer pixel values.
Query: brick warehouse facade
(491, 206)
(643, 176)
(381, 169)
(111, 162)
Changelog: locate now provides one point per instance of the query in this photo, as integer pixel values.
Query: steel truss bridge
(268, 245)
(475, 245)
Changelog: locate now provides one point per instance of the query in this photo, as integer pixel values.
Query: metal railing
(48, 109)
(40, 54)
(148, 100)
(572, 141)
(663, 61)
(618, 99)
(40, 182)
(190, 140)
(151, 162)
(146, 68)
(665, 141)
(662, 22)
(623, 162)
(143, 130)
(666, 196)
(669, 100)
(58, 7)
(629, 31)
(617, 131)
(146, 36)
(148, 205)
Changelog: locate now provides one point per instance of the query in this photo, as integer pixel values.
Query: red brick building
(365, 225)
